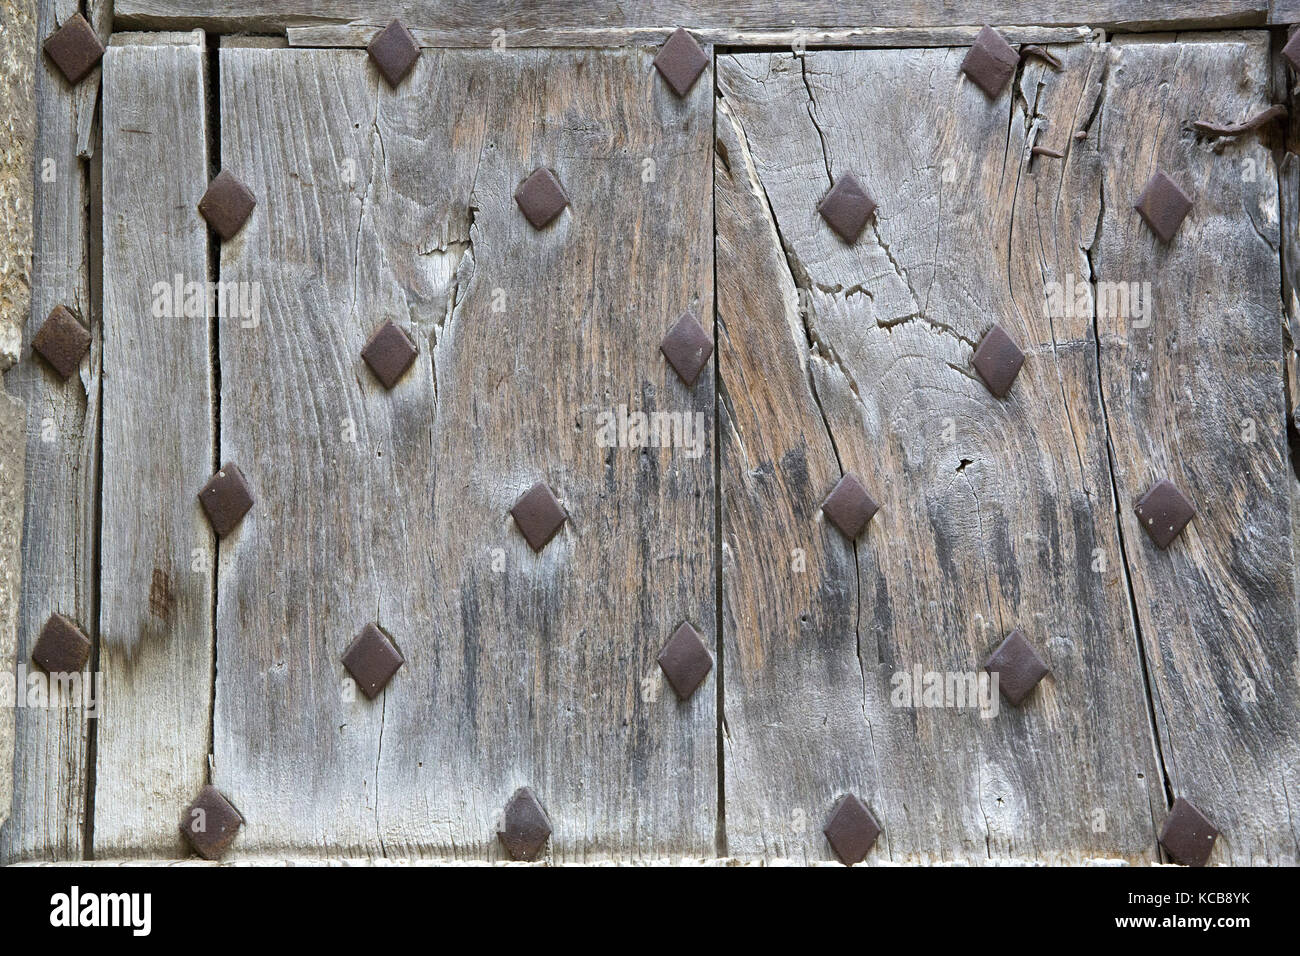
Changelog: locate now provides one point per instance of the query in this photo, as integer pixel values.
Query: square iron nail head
(75, 48)
(998, 360)
(538, 515)
(687, 347)
(394, 51)
(849, 507)
(680, 61)
(1164, 512)
(990, 62)
(541, 198)
(62, 648)
(847, 207)
(525, 827)
(226, 205)
(1292, 51)
(851, 830)
(62, 341)
(372, 659)
(226, 498)
(1188, 834)
(1018, 666)
(685, 661)
(211, 823)
(1163, 205)
(389, 353)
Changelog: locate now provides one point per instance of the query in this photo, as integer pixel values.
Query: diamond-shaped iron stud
(849, 507)
(685, 661)
(998, 360)
(538, 515)
(74, 48)
(847, 207)
(851, 830)
(389, 353)
(372, 659)
(525, 828)
(680, 61)
(541, 198)
(62, 647)
(226, 498)
(1188, 834)
(226, 205)
(1018, 666)
(394, 51)
(687, 347)
(990, 62)
(1163, 205)
(1164, 512)
(211, 823)
(62, 341)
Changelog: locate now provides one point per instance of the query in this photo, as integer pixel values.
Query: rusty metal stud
(372, 659)
(394, 51)
(226, 498)
(680, 61)
(998, 360)
(75, 48)
(846, 207)
(990, 62)
(851, 830)
(226, 205)
(1163, 205)
(538, 515)
(211, 823)
(389, 353)
(1188, 834)
(62, 648)
(525, 827)
(1019, 667)
(849, 507)
(685, 661)
(687, 347)
(541, 198)
(62, 341)
(1164, 512)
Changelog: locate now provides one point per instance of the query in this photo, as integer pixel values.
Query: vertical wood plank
(156, 605)
(1198, 397)
(521, 669)
(992, 512)
(59, 529)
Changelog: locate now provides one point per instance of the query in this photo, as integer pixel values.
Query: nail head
(75, 48)
(1188, 834)
(1018, 666)
(541, 198)
(1163, 205)
(990, 62)
(849, 507)
(846, 207)
(211, 823)
(372, 659)
(226, 498)
(538, 515)
(851, 830)
(226, 205)
(62, 648)
(680, 61)
(687, 347)
(389, 353)
(394, 51)
(998, 360)
(685, 661)
(62, 341)
(525, 827)
(1164, 512)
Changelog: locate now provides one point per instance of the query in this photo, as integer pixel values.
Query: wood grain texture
(360, 33)
(467, 18)
(59, 531)
(521, 669)
(156, 626)
(993, 513)
(1217, 610)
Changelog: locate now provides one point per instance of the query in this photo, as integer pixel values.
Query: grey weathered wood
(156, 626)
(521, 669)
(1217, 610)
(472, 22)
(99, 14)
(993, 513)
(360, 33)
(59, 535)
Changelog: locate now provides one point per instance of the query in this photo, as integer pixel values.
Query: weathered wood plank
(993, 513)
(1197, 396)
(59, 533)
(156, 627)
(360, 33)
(521, 669)
(473, 22)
